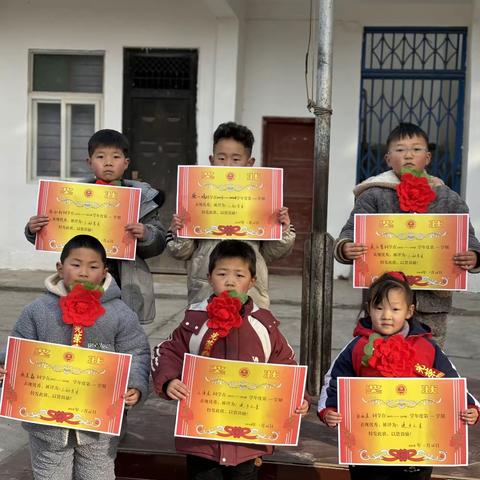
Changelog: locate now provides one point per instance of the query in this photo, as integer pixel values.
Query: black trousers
(380, 472)
(199, 468)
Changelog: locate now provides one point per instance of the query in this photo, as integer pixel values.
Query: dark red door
(288, 143)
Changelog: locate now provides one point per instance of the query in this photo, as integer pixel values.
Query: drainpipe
(316, 323)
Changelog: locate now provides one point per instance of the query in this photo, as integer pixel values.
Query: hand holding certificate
(64, 386)
(421, 246)
(243, 402)
(229, 202)
(102, 211)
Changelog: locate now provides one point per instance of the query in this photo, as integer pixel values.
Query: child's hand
(176, 224)
(177, 390)
(37, 222)
(469, 416)
(352, 250)
(465, 260)
(132, 397)
(303, 408)
(284, 218)
(332, 418)
(137, 230)
(2, 373)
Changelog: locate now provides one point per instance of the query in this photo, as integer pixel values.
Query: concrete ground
(18, 288)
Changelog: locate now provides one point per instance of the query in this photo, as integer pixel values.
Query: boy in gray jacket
(407, 148)
(60, 453)
(108, 160)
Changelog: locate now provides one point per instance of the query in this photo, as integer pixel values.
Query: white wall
(266, 75)
(109, 26)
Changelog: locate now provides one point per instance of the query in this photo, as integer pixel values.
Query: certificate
(402, 421)
(101, 211)
(419, 245)
(64, 386)
(230, 202)
(242, 402)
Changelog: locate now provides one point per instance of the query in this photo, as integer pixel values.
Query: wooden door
(159, 120)
(288, 143)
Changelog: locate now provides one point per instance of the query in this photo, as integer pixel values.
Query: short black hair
(233, 249)
(406, 130)
(108, 138)
(84, 241)
(382, 286)
(239, 133)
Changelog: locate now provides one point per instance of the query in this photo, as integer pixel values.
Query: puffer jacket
(117, 330)
(258, 339)
(135, 276)
(378, 195)
(197, 252)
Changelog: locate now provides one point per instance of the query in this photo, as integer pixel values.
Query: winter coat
(135, 276)
(198, 253)
(258, 339)
(349, 361)
(378, 195)
(117, 330)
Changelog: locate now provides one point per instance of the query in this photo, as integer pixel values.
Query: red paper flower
(393, 357)
(414, 193)
(81, 306)
(224, 313)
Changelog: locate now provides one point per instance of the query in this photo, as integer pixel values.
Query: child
(62, 453)
(389, 312)
(232, 146)
(257, 338)
(407, 148)
(108, 159)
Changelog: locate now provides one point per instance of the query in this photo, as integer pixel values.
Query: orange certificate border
(281, 425)
(201, 225)
(367, 268)
(23, 395)
(46, 200)
(450, 436)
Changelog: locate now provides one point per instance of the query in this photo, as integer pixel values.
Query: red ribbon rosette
(392, 356)
(81, 308)
(414, 193)
(223, 314)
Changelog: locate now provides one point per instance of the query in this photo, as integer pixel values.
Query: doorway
(159, 113)
(288, 143)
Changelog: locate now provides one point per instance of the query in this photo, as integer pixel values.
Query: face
(390, 315)
(231, 274)
(108, 163)
(82, 265)
(227, 152)
(408, 153)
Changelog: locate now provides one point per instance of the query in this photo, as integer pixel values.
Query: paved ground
(17, 288)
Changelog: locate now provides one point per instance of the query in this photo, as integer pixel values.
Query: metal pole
(316, 337)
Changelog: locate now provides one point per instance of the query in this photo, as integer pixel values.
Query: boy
(232, 146)
(108, 160)
(255, 337)
(61, 453)
(402, 342)
(407, 148)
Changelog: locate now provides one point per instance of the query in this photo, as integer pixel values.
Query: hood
(364, 328)
(390, 180)
(54, 284)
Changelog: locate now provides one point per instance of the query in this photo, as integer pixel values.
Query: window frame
(65, 100)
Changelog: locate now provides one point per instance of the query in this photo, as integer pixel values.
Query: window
(65, 99)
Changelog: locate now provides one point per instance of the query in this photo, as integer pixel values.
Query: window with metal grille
(162, 72)
(416, 75)
(66, 95)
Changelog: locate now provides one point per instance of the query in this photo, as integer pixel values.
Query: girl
(389, 314)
